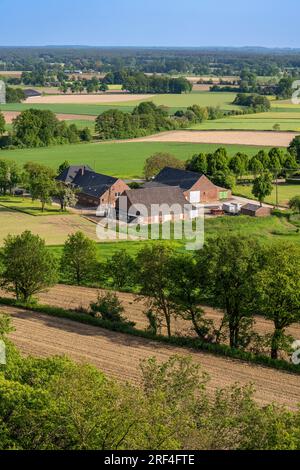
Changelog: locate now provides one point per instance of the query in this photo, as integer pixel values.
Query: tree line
(40, 128)
(239, 275)
(39, 180)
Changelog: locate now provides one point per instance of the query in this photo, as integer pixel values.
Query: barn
(196, 187)
(154, 205)
(254, 210)
(95, 189)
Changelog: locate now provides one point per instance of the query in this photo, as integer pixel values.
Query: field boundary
(195, 344)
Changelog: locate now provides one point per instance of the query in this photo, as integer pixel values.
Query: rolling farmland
(119, 355)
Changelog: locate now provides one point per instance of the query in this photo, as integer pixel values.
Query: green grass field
(283, 113)
(125, 160)
(285, 193)
(174, 102)
(26, 205)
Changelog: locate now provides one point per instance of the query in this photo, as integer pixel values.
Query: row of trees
(55, 404)
(40, 182)
(41, 128)
(220, 166)
(255, 103)
(239, 275)
(138, 82)
(148, 118)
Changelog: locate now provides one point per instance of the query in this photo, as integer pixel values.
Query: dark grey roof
(68, 175)
(156, 196)
(251, 207)
(29, 92)
(176, 177)
(93, 184)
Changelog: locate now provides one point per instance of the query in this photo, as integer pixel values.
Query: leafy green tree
(294, 204)
(262, 187)
(255, 165)
(62, 167)
(67, 195)
(28, 267)
(294, 148)
(278, 289)
(238, 164)
(187, 293)
(158, 162)
(154, 278)
(79, 259)
(120, 268)
(9, 175)
(225, 179)
(43, 188)
(198, 163)
(227, 266)
(284, 88)
(85, 135)
(217, 161)
(109, 307)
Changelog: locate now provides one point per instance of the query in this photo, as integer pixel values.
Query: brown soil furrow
(119, 355)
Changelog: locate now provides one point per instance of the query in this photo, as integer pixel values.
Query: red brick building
(254, 210)
(95, 189)
(196, 187)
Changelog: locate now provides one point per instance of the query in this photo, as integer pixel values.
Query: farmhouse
(196, 187)
(95, 189)
(154, 205)
(254, 210)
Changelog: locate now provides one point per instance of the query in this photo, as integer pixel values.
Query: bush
(108, 307)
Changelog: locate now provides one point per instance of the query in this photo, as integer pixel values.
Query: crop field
(283, 114)
(121, 159)
(53, 229)
(67, 108)
(285, 193)
(119, 355)
(256, 138)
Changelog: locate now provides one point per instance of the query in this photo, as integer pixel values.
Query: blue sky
(150, 22)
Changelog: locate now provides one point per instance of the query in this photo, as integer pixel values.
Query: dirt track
(119, 355)
(10, 115)
(257, 138)
(87, 99)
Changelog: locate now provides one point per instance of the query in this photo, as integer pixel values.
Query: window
(118, 194)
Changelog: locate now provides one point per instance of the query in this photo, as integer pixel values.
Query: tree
(43, 188)
(284, 88)
(198, 163)
(9, 175)
(108, 307)
(294, 204)
(227, 266)
(2, 124)
(158, 162)
(85, 135)
(67, 195)
(256, 166)
(294, 148)
(187, 293)
(154, 278)
(278, 289)
(79, 259)
(62, 167)
(262, 187)
(28, 267)
(121, 269)
(238, 164)
(225, 179)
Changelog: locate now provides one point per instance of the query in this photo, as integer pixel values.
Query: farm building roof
(175, 177)
(93, 184)
(28, 92)
(68, 175)
(85, 179)
(251, 207)
(156, 196)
